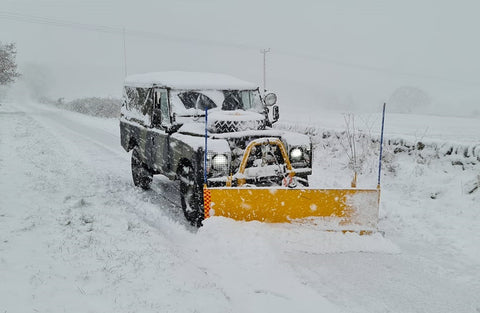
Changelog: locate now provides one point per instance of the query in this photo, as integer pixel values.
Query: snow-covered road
(76, 236)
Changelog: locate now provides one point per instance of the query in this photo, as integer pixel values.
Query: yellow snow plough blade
(335, 209)
(338, 209)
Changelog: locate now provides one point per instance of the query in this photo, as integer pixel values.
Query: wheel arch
(183, 162)
(195, 164)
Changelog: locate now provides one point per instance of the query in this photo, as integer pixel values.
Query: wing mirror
(174, 126)
(275, 113)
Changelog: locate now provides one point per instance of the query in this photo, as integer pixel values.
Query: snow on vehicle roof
(188, 80)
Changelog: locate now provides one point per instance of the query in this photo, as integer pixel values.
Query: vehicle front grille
(221, 126)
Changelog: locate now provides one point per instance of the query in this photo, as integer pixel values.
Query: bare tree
(8, 67)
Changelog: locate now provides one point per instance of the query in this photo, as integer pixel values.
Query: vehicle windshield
(227, 100)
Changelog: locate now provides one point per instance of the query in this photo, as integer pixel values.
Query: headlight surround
(296, 154)
(220, 162)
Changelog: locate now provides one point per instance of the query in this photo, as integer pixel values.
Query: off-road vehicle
(163, 122)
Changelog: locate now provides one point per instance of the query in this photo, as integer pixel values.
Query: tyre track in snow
(86, 135)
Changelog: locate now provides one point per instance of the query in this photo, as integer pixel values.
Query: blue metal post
(206, 149)
(381, 147)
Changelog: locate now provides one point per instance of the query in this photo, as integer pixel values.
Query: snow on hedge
(94, 106)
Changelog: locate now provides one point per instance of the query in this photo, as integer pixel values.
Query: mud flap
(333, 209)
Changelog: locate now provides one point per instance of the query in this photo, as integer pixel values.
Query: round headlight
(296, 154)
(219, 162)
(270, 99)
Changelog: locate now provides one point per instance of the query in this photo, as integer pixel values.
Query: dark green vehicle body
(163, 122)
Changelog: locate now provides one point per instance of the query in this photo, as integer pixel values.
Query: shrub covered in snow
(95, 106)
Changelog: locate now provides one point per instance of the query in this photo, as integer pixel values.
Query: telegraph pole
(124, 52)
(264, 51)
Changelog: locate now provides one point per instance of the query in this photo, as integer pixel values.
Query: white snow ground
(76, 236)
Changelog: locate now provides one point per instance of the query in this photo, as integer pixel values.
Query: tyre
(191, 196)
(142, 176)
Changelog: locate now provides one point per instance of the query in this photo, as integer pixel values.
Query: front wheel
(191, 196)
(142, 176)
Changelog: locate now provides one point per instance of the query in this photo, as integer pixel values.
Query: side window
(131, 98)
(144, 104)
(161, 114)
(138, 104)
(164, 108)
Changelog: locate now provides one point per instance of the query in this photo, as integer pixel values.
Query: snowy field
(76, 236)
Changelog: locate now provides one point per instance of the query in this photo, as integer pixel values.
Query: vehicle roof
(188, 80)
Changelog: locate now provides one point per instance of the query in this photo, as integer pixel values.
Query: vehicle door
(160, 139)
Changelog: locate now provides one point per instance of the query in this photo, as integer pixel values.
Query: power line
(119, 30)
(55, 22)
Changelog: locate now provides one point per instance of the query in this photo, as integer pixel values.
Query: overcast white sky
(326, 54)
